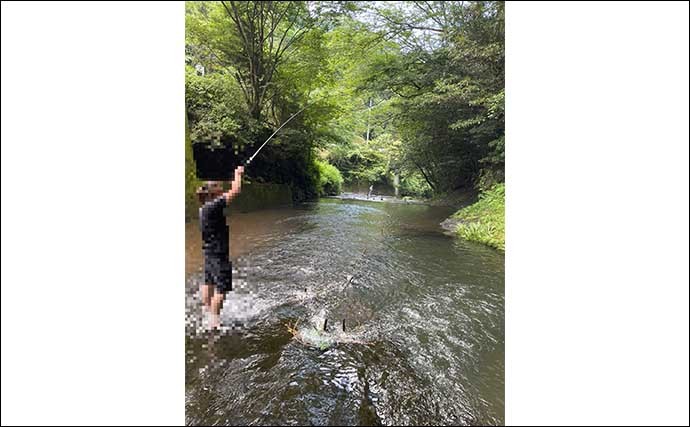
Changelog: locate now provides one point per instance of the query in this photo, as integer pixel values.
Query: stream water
(427, 310)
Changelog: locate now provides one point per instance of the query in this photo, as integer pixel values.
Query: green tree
(403, 93)
(449, 83)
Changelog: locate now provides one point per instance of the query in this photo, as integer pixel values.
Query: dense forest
(408, 95)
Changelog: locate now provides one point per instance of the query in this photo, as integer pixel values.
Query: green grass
(484, 221)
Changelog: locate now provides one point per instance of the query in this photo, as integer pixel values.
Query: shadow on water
(430, 309)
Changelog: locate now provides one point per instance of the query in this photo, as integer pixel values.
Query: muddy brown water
(428, 311)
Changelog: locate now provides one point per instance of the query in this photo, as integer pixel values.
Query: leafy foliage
(484, 221)
(330, 179)
(414, 185)
(214, 106)
(399, 93)
(190, 180)
(449, 80)
(251, 65)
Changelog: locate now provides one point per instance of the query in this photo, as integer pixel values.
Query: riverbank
(483, 221)
(377, 198)
(253, 197)
(457, 199)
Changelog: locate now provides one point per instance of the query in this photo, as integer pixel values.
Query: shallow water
(426, 312)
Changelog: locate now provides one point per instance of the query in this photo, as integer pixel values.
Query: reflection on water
(431, 309)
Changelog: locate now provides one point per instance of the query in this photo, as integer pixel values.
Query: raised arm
(235, 186)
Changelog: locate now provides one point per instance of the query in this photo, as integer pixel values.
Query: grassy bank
(484, 221)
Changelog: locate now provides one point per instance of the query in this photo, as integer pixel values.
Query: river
(428, 311)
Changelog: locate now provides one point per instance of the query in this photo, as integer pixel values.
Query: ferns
(484, 221)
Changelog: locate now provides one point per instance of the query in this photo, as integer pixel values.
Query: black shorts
(218, 272)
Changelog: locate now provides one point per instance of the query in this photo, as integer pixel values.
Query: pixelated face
(215, 188)
(209, 191)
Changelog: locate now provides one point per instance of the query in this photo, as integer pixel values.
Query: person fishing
(215, 232)
(215, 235)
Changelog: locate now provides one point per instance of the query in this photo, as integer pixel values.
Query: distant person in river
(215, 235)
(371, 188)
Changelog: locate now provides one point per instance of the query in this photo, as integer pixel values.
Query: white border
(92, 213)
(597, 213)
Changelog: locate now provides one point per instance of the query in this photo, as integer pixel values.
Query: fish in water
(318, 334)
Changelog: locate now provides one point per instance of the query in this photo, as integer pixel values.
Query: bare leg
(207, 292)
(216, 306)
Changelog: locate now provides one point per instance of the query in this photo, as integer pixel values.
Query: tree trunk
(433, 187)
(396, 184)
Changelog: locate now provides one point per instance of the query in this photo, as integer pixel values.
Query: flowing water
(425, 310)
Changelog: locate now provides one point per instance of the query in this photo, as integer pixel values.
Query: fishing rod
(272, 135)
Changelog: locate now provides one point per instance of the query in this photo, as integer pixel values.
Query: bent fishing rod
(272, 135)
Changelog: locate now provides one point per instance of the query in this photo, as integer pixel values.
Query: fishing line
(272, 135)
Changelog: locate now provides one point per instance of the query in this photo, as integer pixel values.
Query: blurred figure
(215, 236)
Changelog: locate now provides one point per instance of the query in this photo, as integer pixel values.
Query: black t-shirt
(214, 228)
